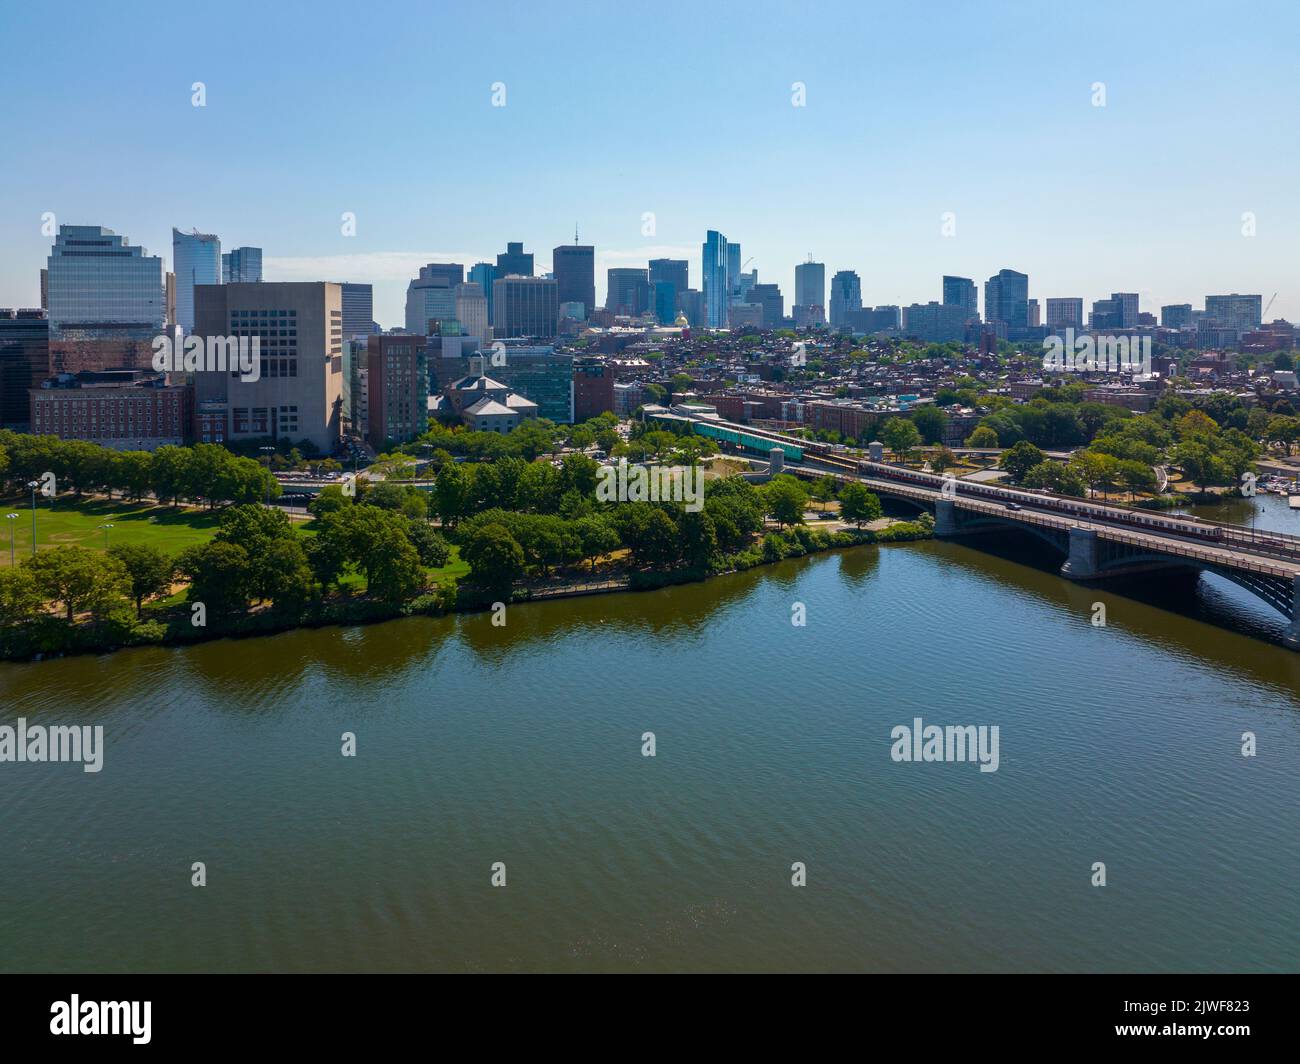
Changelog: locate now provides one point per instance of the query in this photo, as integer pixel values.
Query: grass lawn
(67, 523)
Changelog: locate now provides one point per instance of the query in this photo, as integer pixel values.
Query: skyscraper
(1176, 315)
(733, 271)
(768, 296)
(196, 259)
(484, 273)
(674, 272)
(358, 310)
(1242, 313)
(574, 266)
(1128, 306)
(107, 300)
(243, 265)
(810, 284)
(846, 295)
(397, 380)
(431, 297)
(960, 292)
(24, 363)
(472, 310)
(525, 306)
(1006, 298)
(515, 261)
(627, 291)
(713, 272)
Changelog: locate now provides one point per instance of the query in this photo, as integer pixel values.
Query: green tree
(982, 438)
(597, 538)
(1020, 459)
(220, 576)
(80, 579)
(859, 505)
(786, 499)
(149, 570)
(495, 559)
(901, 436)
(20, 598)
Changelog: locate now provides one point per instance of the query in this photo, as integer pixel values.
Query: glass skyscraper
(242, 265)
(717, 287)
(196, 259)
(1006, 298)
(846, 296)
(102, 287)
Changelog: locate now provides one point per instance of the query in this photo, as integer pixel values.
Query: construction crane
(1270, 303)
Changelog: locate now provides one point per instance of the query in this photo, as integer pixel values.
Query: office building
(691, 303)
(627, 291)
(472, 310)
(525, 307)
(673, 272)
(241, 266)
(431, 297)
(768, 296)
(846, 295)
(196, 260)
(593, 388)
(515, 261)
(24, 363)
(1176, 316)
(574, 266)
(106, 301)
(484, 273)
(1128, 309)
(358, 310)
(887, 319)
(299, 392)
(810, 284)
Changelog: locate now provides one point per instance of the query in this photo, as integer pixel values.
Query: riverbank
(51, 636)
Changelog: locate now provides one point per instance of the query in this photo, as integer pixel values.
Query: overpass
(1099, 540)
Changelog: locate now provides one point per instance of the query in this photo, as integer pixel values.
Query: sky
(646, 125)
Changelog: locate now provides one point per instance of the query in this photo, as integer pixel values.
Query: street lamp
(266, 491)
(11, 518)
(105, 528)
(33, 484)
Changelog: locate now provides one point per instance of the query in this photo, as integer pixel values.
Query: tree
(930, 422)
(432, 548)
(597, 538)
(451, 493)
(1136, 476)
(824, 489)
(20, 598)
(901, 436)
(148, 569)
(787, 498)
(80, 579)
(982, 438)
(942, 458)
(495, 559)
(859, 505)
(1020, 459)
(284, 574)
(220, 576)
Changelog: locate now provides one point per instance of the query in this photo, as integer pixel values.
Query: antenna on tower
(575, 233)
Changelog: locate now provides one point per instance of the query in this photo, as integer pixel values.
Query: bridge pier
(1292, 635)
(945, 517)
(1082, 563)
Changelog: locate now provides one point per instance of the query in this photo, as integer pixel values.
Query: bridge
(1099, 540)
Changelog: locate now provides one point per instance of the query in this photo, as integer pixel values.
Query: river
(522, 745)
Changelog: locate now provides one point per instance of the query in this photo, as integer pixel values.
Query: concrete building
(1064, 313)
(935, 322)
(515, 261)
(961, 292)
(431, 297)
(574, 266)
(627, 291)
(593, 388)
(472, 310)
(810, 284)
(358, 310)
(299, 393)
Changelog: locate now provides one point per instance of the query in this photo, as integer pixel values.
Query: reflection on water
(522, 744)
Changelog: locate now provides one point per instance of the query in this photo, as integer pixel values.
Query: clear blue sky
(680, 109)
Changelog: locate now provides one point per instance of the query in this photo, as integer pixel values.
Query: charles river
(523, 745)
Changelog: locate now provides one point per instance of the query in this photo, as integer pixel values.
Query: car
(1013, 506)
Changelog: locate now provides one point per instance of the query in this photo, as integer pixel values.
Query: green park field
(67, 523)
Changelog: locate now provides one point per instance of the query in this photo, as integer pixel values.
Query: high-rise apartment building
(935, 322)
(107, 301)
(1006, 299)
(299, 391)
(1064, 313)
(196, 259)
(525, 307)
(714, 275)
(574, 266)
(846, 295)
(961, 292)
(1128, 308)
(1242, 313)
(1176, 316)
(398, 387)
(241, 266)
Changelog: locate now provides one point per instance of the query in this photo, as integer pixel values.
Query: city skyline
(1067, 192)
